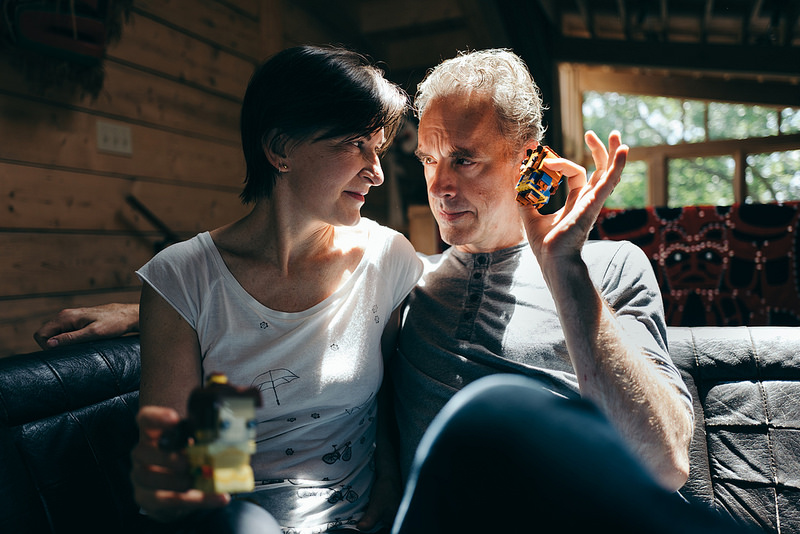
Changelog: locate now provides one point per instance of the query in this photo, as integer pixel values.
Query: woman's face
(330, 178)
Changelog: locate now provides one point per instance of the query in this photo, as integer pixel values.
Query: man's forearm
(615, 374)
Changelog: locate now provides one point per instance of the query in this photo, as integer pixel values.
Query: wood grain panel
(389, 15)
(50, 135)
(176, 79)
(189, 210)
(177, 55)
(424, 51)
(148, 98)
(66, 263)
(142, 97)
(301, 28)
(250, 7)
(213, 21)
(35, 197)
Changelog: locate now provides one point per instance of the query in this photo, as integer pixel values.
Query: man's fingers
(63, 330)
(614, 141)
(599, 155)
(71, 338)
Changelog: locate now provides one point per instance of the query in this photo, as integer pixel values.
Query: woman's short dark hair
(314, 92)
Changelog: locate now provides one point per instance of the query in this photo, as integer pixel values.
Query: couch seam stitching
(700, 381)
(772, 463)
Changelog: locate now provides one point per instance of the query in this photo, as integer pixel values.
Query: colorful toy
(222, 428)
(536, 184)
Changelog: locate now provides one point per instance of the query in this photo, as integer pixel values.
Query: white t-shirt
(318, 370)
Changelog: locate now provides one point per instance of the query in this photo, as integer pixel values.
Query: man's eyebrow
(459, 153)
(455, 153)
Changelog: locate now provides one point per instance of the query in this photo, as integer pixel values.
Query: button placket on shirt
(472, 300)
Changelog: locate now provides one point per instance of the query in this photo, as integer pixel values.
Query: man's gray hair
(499, 74)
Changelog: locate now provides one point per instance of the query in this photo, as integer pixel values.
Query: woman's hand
(161, 480)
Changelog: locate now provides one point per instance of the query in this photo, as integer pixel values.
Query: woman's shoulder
(184, 254)
(190, 248)
(384, 239)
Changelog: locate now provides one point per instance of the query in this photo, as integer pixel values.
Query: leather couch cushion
(67, 425)
(745, 453)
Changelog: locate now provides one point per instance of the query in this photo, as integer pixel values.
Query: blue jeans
(506, 455)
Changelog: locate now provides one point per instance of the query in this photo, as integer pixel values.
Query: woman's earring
(284, 167)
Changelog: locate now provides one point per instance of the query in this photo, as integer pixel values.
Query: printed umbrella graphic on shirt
(272, 379)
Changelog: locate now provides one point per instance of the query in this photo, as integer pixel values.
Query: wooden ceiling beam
(681, 85)
(752, 59)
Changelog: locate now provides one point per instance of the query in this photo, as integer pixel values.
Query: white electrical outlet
(114, 138)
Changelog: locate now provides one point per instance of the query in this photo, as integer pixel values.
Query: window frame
(574, 79)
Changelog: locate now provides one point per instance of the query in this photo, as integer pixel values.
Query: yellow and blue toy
(536, 184)
(222, 424)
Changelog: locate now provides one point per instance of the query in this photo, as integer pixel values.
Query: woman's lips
(358, 196)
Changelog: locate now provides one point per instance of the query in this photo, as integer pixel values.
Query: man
(585, 318)
(520, 292)
(524, 293)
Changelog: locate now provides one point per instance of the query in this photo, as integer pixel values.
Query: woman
(293, 299)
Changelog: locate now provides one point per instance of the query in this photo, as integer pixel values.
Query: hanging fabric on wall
(718, 266)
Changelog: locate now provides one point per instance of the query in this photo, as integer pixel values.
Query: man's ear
(275, 150)
(523, 153)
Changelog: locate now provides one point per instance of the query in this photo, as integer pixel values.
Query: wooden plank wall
(176, 79)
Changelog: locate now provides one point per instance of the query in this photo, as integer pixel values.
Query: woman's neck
(270, 234)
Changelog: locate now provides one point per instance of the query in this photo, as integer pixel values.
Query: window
(773, 177)
(685, 150)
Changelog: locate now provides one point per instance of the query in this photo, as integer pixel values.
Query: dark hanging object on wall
(76, 36)
(61, 43)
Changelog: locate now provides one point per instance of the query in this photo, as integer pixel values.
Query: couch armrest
(67, 425)
(746, 385)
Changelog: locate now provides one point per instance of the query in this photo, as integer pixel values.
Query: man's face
(470, 173)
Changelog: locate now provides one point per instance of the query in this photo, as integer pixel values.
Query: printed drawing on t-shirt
(338, 523)
(346, 493)
(272, 379)
(344, 454)
(354, 409)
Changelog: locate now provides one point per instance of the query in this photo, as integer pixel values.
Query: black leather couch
(67, 427)
(745, 455)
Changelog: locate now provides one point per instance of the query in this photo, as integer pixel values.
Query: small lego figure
(536, 184)
(223, 427)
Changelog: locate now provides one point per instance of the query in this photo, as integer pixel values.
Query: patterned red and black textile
(718, 265)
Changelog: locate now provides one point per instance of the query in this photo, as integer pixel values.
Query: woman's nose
(375, 171)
